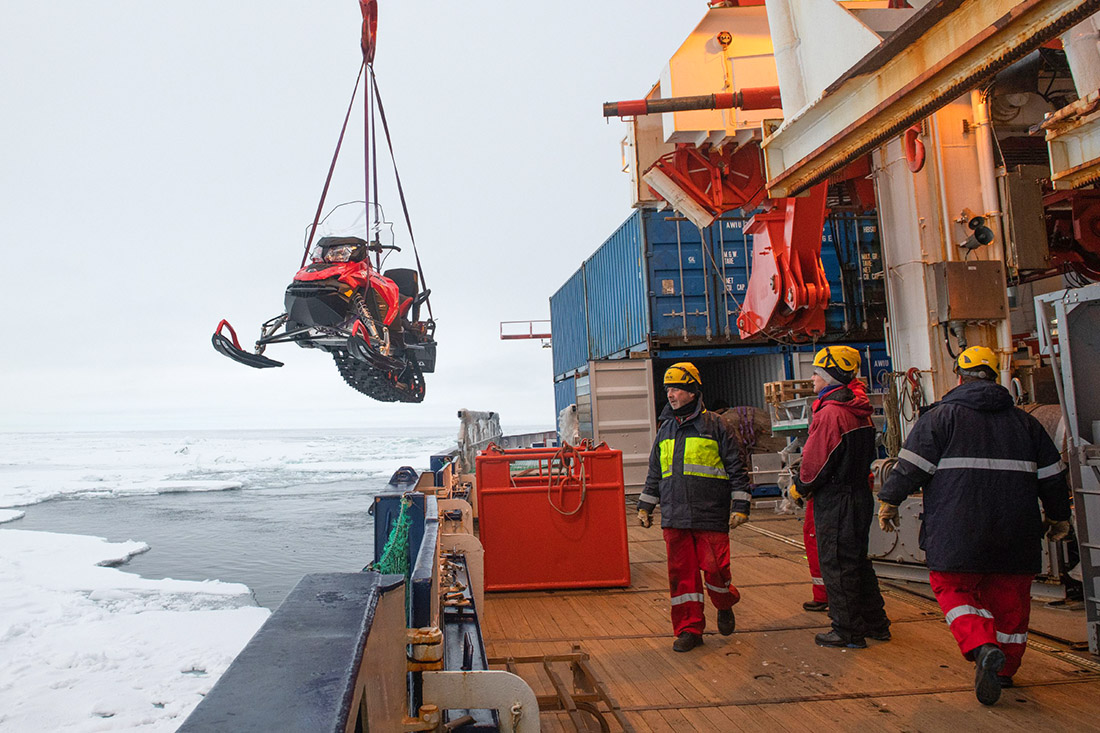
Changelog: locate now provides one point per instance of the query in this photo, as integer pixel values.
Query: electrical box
(970, 291)
(1026, 227)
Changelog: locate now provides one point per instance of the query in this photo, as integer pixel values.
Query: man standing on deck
(836, 465)
(985, 466)
(696, 475)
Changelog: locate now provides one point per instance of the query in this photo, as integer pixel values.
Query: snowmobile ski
(233, 350)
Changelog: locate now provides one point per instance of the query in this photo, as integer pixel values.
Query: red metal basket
(552, 518)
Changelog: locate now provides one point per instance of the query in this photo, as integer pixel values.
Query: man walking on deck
(696, 476)
(985, 466)
(836, 464)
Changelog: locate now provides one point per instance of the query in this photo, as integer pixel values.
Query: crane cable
(370, 20)
(331, 168)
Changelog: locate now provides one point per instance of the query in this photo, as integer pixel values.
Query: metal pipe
(987, 173)
(941, 192)
(748, 99)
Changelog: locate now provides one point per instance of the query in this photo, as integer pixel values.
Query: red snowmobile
(338, 301)
(369, 322)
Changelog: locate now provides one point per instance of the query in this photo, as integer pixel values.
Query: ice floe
(87, 647)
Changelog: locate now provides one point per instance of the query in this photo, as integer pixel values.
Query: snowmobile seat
(406, 280)
(408, 284)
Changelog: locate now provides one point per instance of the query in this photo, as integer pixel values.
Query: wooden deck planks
(770, 674)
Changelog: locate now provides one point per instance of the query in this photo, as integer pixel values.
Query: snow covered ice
(86, 646)
(92, 648)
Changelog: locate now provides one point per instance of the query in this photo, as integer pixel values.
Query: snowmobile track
(377, 384)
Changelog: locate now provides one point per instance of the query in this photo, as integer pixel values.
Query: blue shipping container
(615, 292)
(565, 394)
(680, 288)
(660, 280)
(569, 325)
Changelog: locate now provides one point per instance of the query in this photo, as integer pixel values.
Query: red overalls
(986, 608)
(809, 538)
(689, 552)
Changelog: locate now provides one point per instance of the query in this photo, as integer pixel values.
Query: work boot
(815, 606)
(834, 639)
(686, 641)
(726, 622)
(880, 634)
(1005, 681)
(988, 661)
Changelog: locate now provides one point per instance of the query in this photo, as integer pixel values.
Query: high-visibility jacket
(695, 473)
(985, 465)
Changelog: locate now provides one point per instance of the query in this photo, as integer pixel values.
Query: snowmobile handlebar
(378, 247)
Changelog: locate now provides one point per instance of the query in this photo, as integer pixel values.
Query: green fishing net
(395, 554)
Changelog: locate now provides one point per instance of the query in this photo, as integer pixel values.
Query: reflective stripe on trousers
(986, 608)
(691, 552)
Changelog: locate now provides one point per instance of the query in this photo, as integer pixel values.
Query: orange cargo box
(552, 518)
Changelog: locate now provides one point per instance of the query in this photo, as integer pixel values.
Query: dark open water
(264, 538)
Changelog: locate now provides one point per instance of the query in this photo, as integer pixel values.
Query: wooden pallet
(788, 389)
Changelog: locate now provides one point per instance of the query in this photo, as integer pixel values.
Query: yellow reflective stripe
(667, 446)
(701, 458)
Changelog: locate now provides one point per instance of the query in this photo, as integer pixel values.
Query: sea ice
(36, 467)
(85, 647)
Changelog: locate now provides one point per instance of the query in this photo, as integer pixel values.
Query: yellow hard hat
(975, 358)
(682, 373)
(841, 358)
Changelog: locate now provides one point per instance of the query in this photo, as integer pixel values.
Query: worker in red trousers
(985, 465)
(696, 475)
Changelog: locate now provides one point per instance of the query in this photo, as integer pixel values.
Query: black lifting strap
(400, 190)
(332, 167)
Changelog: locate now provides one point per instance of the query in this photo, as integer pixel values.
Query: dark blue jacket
(984, 465)
(695, 473)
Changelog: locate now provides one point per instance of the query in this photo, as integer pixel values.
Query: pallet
(788, 389)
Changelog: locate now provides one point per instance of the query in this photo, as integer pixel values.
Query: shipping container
(873, 362)
(569, 325)
(659, 282)
(622, 403)
(565, 394)
(681, 301)
(615, 293)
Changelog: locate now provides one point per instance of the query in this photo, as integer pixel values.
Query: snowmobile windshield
(345, 221)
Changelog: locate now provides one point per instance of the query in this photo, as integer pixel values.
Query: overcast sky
(160, 161)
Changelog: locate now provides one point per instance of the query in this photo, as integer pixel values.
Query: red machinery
(552, 518)
(787, 291)
(1073, 230)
